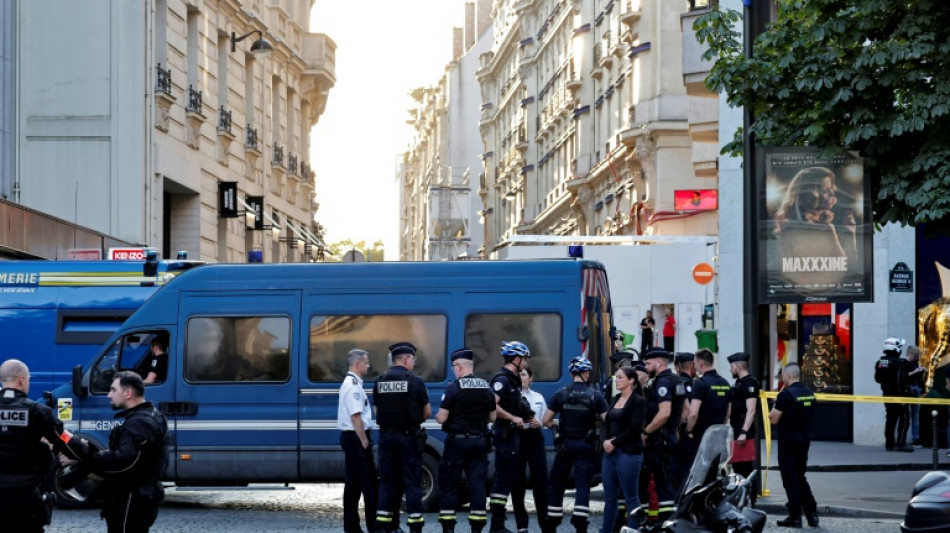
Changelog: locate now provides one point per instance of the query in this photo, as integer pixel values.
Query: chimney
(470, 25)
(482, 17)
(457, 49)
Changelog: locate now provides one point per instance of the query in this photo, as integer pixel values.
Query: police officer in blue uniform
(686, 448)
(664, 407)
(578, 407)
(511, 411)
(468, 405)
(402, 404)
(710, 400)
(792, 415)
(24, 457)
(745, 395)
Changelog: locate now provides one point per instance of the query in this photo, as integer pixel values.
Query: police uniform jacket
(744, 389)
(667, 388)
(136, 455)
(154, 363)
(400, 397)
(687, 384)
(891, 372)
(716, 394)
(797, 404)
(578, 406)
(24, 460)
(353, 400)
(470, 403)
(507, 386)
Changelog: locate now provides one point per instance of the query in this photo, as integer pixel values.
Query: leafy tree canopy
(871, 76)
(372, 253)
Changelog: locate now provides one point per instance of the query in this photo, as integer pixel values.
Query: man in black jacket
(892, 373)
(792, 416)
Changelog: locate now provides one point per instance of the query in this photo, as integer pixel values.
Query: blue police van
(56, 314)
(257, 353)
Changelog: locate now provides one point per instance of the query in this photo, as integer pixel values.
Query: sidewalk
(852, 480)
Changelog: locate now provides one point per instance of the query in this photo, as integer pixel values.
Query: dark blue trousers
(399, 466)
(470, 455)
(361, 480)
(579, 454)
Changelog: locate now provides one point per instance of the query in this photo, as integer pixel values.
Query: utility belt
(399, 431)
(467, 436)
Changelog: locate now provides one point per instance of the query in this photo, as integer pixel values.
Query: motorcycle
(713, 499)
(929, 507)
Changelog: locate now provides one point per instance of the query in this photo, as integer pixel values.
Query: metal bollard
(933, 445)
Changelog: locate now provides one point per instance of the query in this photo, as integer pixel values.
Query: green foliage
(866, 75)
(373, 253)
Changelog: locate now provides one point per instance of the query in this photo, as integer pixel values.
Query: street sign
(902, 278)
(703, 273)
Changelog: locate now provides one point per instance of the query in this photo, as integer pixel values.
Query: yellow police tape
(764, 396)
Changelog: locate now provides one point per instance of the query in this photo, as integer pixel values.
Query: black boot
(790, 521)
(812, 518)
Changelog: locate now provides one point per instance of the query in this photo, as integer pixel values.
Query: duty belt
(467, 436)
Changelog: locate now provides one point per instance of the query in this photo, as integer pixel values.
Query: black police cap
(739, 357)
(653, 353)
(462, 353)
(684, 357)
(639, 366)
(621, 356)
(402, 348)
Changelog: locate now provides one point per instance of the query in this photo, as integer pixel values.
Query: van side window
(237, 349)
(541, 332)
(331, 337)
(130, 352)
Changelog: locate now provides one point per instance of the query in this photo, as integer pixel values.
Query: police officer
(468, 405)
(686, 448)
(579, 407)
(354, 419)
(665, 401)
(24, 457)
(745, 395)
(892, 373)
(792, 415)
(135, 461)
(402, 404)
(709, 403)
(511, 411)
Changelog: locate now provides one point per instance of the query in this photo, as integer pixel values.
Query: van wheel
(430, 483)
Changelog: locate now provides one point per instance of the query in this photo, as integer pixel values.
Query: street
(318, 507)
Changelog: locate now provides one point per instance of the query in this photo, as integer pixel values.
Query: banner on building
(814, 227)
(227, 199)
(256, 203)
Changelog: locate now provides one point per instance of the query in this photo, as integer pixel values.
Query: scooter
(713, 499)
(929, 508)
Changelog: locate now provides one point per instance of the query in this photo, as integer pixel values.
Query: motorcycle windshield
(711, 458)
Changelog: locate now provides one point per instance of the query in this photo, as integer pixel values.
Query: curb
(880, 467)
(831, 510)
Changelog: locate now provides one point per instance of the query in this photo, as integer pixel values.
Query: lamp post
(260, 47)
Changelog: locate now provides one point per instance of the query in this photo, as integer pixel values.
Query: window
(332, 337)
(238, 349)
(129, 352)
(541, 332)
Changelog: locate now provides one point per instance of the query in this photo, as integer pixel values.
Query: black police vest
(509, 397)
(687, 384)
(887, 372)
(577, 417)
(24, 460)
(473, 405)
(150, 425)
(677, 391)
(393, 404)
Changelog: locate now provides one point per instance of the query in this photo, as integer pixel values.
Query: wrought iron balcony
(292, 163)
(164, 81)
(251, 140)
(194, 100)
(224, 120)
(278, 155)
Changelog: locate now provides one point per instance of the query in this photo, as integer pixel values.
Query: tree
(372, 253)
(871, 76)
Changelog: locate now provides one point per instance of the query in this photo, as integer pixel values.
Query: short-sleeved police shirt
(715, 393)
(744, 389)
(353, 400)
(797, 404)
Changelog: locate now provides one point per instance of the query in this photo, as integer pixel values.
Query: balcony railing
(224, 120)
(278, 155)
(251, 140)
(292, 163)
(164, 81)
(194, 100)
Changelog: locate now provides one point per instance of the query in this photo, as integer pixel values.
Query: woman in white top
(532, 454)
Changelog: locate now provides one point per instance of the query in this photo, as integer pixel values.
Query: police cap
(739, 357)
(653, 353)
(684, 357)
(462, 353)
(639, 366)
(402, 348)
(621, 355)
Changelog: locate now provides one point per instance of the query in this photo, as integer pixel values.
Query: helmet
(514, 349)
(579, 364)
(894, 344)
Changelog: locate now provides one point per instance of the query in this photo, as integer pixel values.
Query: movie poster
(815, 227)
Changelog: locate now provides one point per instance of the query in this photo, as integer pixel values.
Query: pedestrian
(531, 455)
(578, 407)
(133, 465)
(745, 396)
(665, 401)
(623, 448)
(401, 402)
(647, 326)
(27, 430)
(511, 414)
(468, 405)
(669, 332)
(686, 448)
(354, 419)
(155, 366)
(710, 400)
(792, 416)
(918, 377)
(892, 373)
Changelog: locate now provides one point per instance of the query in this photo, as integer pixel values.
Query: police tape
(764, 396)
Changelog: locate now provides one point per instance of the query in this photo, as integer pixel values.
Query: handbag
(744, 453)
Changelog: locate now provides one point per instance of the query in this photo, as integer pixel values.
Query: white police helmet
(894, 344)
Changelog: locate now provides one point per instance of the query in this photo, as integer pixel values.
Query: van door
(237, 397)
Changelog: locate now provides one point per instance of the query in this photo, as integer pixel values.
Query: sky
(385, 48)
